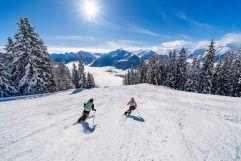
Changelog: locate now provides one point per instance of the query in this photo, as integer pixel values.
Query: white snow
(176, 126)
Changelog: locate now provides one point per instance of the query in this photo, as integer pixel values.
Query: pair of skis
(92, 116)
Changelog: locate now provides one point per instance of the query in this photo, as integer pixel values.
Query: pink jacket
(132, 103)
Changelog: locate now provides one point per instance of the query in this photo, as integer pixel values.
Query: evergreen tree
(152, 71)
(234, 73)
(9, 55)
(238, 88)
(63, 77)
(171, 70)
(194, 76)
(223, 77)
(143, 71)
(207, 70)
(75, 77)
(90, 83)
(181, 75)
(215, 78)
(124, 82)
(6, 87)
(84, 81)
(81, 73)
(161, 71)
(131, 77)
(92, 80)
(32, 71)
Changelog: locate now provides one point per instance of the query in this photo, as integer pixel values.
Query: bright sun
(90, 9)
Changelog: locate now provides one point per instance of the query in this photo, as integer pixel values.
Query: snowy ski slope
(176, 126)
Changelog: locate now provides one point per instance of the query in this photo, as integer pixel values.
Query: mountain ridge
(125, 59)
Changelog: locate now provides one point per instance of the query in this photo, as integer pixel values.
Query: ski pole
(94, 120)
(138, 112)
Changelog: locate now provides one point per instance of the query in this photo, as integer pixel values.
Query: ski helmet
(91, 100)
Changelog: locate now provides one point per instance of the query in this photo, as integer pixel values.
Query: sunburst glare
(90, 9)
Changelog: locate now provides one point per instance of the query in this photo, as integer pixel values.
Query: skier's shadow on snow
(78, 90)
(87, 129)
(140, 119)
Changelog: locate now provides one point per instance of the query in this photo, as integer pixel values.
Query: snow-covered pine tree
(84, 81)
(161, 70)
(194, 76)
(88, 81)
(81, 72)
(32, 71)
(234, 74)
(63, 77)
(124, 81)
(75, 77)
(171, 69)
(181, 75)
(6, 87)
(92, 80)
(142, 71)
(132, 77)
(223, 75)
(9, 55)
(215, 77)
(152, 71)
(238, 88)
(207, 70)
(137, 76)
(8, 61)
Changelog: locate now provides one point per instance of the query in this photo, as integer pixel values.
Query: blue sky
(63, 25)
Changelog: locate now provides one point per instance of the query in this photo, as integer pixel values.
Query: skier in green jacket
(87, 108)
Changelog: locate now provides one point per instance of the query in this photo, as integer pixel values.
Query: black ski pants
(84, 116)
(131, 108)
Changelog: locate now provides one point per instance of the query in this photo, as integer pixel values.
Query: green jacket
(88, 106)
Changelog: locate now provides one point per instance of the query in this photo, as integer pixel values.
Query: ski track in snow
(176, 126)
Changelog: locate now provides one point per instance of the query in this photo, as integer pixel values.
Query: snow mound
(173, 126)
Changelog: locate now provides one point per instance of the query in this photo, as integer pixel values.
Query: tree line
(203, 75)
(26, 67)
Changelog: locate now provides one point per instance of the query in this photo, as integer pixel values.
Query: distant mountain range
(123, 59)
(70, 57)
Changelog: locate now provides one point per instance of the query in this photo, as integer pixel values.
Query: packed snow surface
(174, 126)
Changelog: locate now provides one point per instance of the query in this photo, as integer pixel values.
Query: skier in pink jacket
(132, 106)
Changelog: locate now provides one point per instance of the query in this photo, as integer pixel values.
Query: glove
(94, 109)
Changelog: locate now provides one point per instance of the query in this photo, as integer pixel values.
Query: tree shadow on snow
(140, 119)
(87, 129)
(78, 90)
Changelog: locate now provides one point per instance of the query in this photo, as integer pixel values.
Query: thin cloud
(175, 44)
(184, 17)
(70, 37)
(64, 49)
(230, 38)
(145, 31)
(124, 44)
(184, 36)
